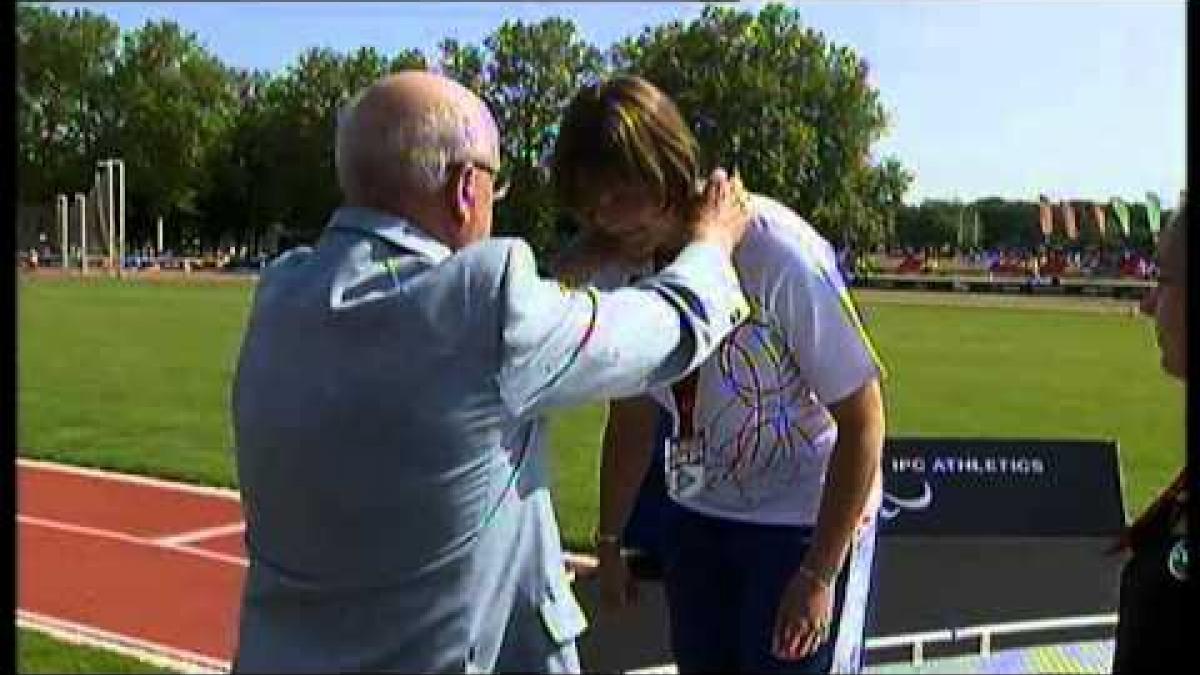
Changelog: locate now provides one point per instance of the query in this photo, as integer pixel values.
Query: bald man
(388, 395)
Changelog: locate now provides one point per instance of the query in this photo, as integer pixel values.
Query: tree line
(225, 154)
(228, 155)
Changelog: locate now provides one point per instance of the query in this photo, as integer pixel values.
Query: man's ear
(461, 194)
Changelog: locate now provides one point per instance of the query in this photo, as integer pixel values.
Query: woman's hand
(805, 612)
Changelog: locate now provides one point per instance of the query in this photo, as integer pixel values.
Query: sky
(1079, 99)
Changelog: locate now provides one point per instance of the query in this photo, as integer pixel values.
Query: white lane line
(174, 486)
(581, 564)
(157, 654)
(663, 669)
(129, 539)
(194, 536)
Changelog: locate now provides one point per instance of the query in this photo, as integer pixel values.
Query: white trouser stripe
(848, 649)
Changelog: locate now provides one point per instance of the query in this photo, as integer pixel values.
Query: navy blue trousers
(724, 581)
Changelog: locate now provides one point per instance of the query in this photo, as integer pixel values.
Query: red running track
(153, 566)
(147, 566)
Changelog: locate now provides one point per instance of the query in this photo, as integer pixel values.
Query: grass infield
(38, 653)
(134, 376)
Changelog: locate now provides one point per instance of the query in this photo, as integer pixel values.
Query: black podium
(986, 532)
(972, 532)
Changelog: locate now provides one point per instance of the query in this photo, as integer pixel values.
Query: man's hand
(802, 621)
(618, 588)
(722, 213)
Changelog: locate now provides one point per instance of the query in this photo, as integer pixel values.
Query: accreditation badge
(1177, 560)
(685, 467)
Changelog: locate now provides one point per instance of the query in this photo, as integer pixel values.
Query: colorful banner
(1121, 209)
(1069, 220)
(1098, 214)
(1153, 212)
(1046, 216)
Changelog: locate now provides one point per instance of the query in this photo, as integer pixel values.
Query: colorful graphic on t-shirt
(761, 428)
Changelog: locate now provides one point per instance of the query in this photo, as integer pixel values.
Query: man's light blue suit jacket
(389, 449)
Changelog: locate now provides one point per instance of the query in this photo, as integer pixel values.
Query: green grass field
(134, 377)
(38, 653)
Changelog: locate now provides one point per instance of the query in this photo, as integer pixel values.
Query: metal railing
(985, 633)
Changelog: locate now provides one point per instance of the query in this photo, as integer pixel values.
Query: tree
(232, 205)
(462, 63)
(1008, 223)
(295, 130)
(891, 183)
(802, 138)
(934, 223)
(173, 102)
(531, 72)
(862, 210)
(64, 69)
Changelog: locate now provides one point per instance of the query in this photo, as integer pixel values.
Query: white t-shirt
(762, 433)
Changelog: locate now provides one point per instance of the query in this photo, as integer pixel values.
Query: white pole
(112, 222)
(83, 254)
(81, 205)
(112, 240)
(63, 217)
(160, 241)
(121, 200)
(98, 204)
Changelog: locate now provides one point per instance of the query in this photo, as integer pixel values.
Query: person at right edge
(773, 466)
(1154, 582)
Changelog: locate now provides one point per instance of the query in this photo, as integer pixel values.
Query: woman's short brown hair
(624, 131)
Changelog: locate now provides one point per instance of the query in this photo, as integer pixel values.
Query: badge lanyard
(685, 459)
(685, 401)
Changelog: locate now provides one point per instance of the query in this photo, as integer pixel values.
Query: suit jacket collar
(391, 228)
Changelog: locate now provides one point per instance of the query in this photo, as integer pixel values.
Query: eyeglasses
(500, 185)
